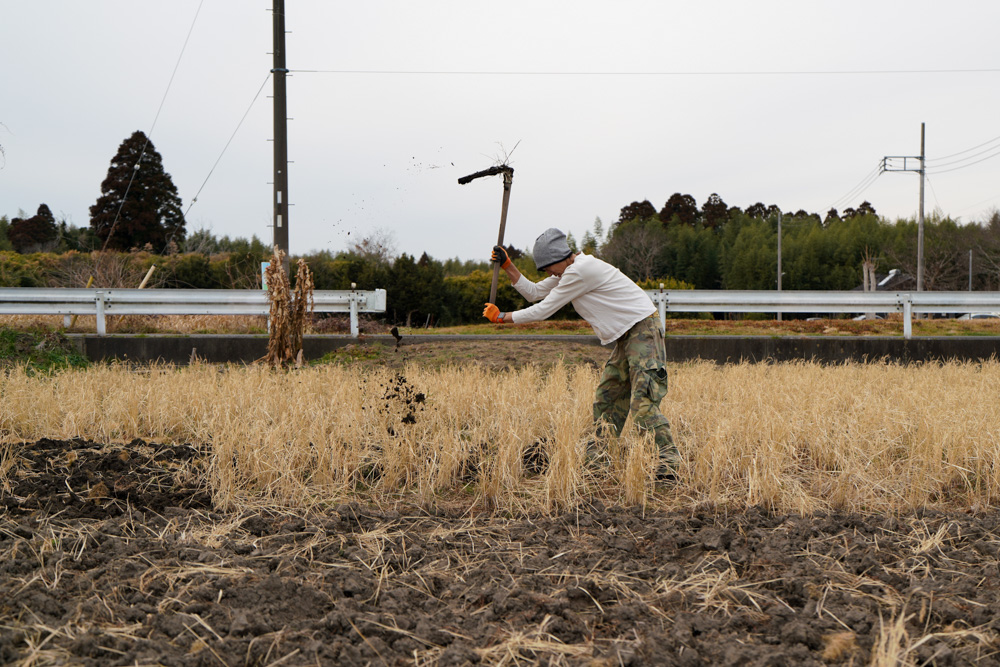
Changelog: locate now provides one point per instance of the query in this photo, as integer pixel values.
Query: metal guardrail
(908, 303)
(104, 302)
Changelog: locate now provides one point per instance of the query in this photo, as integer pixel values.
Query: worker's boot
(596, 457)
(666, 476)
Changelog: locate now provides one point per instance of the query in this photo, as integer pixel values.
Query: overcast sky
(786, 102)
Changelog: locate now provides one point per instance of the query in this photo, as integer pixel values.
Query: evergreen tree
(146, 212)
(714, 211)
(72, 237)
(749, 257)
(512, 252)
(682, 209)
(593, 238)
(404, 289)
(866, 209)
(692, 256)
(4, 241)
(38, 233)
(637, 211)
(415, 290)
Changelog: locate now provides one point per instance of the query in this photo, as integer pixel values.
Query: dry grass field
(790, 437)
(413, 514)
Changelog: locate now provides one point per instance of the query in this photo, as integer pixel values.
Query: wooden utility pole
(920, 218)
(278, 72)
(779, 258)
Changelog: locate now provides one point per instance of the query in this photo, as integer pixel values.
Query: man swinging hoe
(635, 377)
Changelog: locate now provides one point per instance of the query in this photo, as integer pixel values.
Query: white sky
(699, 109)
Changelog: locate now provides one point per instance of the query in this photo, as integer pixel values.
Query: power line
(135, 168)
(968, 164)
(980, 203)
(933, 192)
(860, 188)
(656, 73)
(219, 159)
(871, 174)
(965, 159)
(945, 157)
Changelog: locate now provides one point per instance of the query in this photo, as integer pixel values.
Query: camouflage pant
(635, 378)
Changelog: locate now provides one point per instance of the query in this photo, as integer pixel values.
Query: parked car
(980, 316)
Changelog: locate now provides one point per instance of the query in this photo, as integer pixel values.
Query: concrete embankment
(721, 349)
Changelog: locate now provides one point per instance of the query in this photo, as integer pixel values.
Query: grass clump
(350, 354)
(38, 350)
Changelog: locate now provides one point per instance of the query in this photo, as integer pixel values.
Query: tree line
(137, 221)
(741, 253)
(718, 246)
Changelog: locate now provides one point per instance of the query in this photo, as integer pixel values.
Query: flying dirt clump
(400, 401)
(401, 393)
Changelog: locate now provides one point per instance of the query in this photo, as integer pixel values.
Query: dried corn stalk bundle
(302, 306)
(289, 311)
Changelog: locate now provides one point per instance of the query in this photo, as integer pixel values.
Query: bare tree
(201, 241)
(108, 269)
(989, 250)
(943, 255)
(378, 247)
(636, 247)
(870, 282)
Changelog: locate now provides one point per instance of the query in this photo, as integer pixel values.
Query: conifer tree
(38, 233)
(139, 203)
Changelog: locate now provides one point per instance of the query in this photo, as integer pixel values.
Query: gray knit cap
(550, 248)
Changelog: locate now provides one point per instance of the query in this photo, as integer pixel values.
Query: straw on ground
(791, 437)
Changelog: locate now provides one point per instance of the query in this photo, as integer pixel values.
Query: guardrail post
(907, 317)
(661, 306)
(67, 321)
(101, 324)
(354, 312)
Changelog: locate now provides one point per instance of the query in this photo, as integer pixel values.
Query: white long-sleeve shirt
(601, 294)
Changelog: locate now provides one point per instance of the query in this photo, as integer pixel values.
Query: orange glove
(500, 256)
(493, 314)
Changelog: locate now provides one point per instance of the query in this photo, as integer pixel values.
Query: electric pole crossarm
(891, 163)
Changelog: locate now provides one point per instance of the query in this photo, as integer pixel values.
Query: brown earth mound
(114, 556)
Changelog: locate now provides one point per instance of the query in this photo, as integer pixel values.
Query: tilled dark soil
(115, 556)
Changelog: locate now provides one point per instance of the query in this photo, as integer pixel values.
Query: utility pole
(920, 218)
(891, 163)
(280, 132)
(779, 258)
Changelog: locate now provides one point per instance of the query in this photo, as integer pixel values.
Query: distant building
(894, 281)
